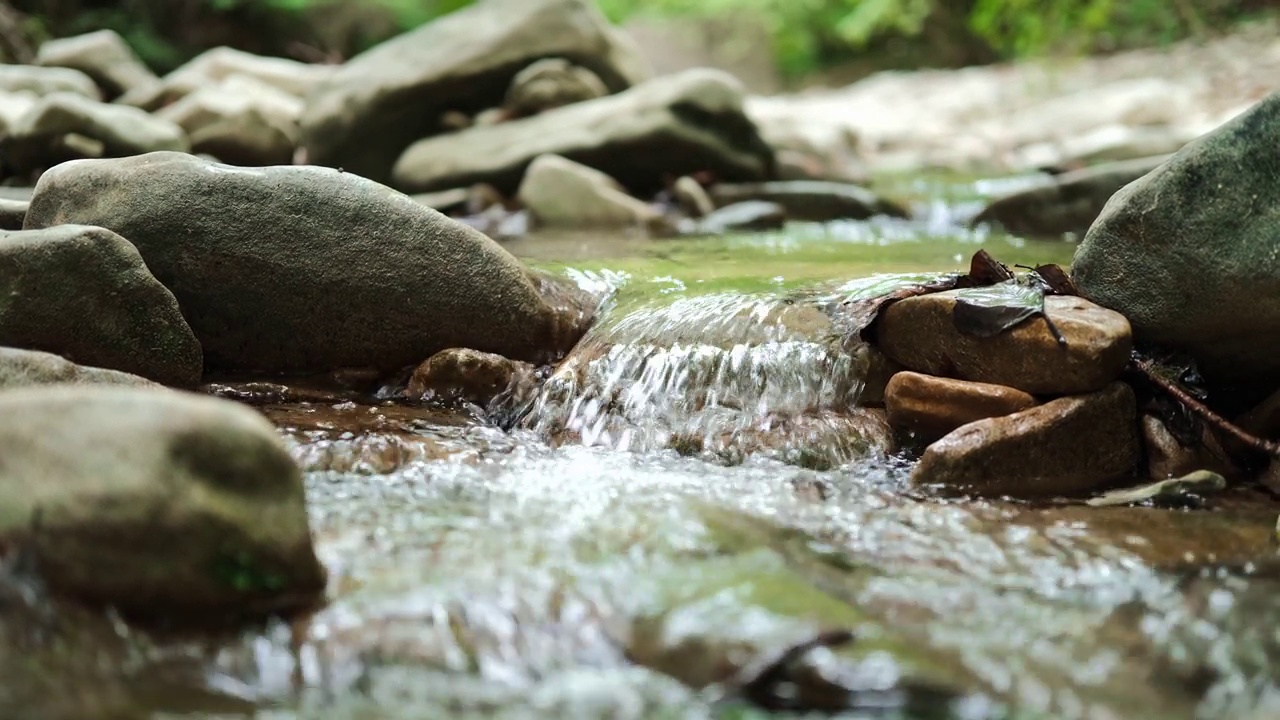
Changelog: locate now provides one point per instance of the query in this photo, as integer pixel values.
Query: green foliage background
(807, 34)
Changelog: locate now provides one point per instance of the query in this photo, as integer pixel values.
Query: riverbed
(489, 569)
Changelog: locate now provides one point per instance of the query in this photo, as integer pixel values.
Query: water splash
(726, 373)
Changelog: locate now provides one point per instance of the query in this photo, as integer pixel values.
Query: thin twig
(1203, 412)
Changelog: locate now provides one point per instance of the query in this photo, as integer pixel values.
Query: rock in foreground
(1190, 253)
(384, 99)
(1067, 205)
(155, 502)
(921, 334)
(669, 126)
(1070, 446)
(26, 368)
(308, 269)
(85, 293)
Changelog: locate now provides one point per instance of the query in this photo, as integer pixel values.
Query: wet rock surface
(930, 407)
(155, 502)
(1065, 447)
(307, 269)
(1069, 203)
(1188, 253)
(459, 374)
(383, 100)
(682, 123)
(86, 294)
(921, 334)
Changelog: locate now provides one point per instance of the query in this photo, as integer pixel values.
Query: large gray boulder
(384, 99)
(668, 126)
(103, 56)
(85, 293)
(1190, 252)
(154, 501)
(1067, 204)
(27, 368)
(301, 269)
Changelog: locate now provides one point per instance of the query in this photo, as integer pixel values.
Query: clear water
(691, 499)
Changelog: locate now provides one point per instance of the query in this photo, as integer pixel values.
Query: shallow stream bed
(598, 573)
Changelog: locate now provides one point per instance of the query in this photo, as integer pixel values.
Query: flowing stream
(685, 502)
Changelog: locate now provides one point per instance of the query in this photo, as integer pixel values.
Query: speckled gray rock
(156, 502)
(384, 99)
(1070, 446)
(1067, 204)
(1190, 253)
(84, 293)
(302, 269)
(673, 125)
(26, 368)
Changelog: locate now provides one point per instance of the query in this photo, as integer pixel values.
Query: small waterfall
(723, 374)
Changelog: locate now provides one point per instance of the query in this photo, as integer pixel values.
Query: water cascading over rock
(724, 376)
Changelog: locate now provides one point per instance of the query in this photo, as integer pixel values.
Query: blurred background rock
(772, 45)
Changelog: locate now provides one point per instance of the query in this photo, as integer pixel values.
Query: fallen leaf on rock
(862, 300)
(1175, 491)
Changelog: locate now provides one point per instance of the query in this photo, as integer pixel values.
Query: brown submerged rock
(1169, 456)
(1070, 446)
(471, 375)
(932, 407)
(921, 334)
